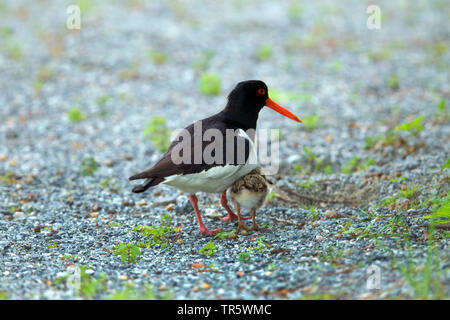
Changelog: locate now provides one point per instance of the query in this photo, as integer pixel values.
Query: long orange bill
(273, 105)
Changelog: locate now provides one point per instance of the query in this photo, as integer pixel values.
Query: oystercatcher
(184, 164)
(249, 192)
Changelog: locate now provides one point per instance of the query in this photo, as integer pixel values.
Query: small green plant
(261, 245)
(410, 194)
(389, 139)
(111, 184)
(272, 195)
(424, 279)
(440, 209)
(414, 127)
(13, 50)
(333, 255)
(307, 184)
(44, 74)
(393, 81)
(86, 6)
(157, 235)
(442, 113)
(127, 252)
(397, 180)
(380, 55)
(289, 96)
(260, 248)
(6, 31)
(264, 52)
(294, 11)
(75, 114)
(312, 122)
(90, 286)
(313, 163)
(209, 84)
(315, 214)
(102, 100)
(336, 65)
(88, 166)
(53, 245)
(245, 256)
(356, 164)
(223, 235)
(3, 295)
(8, 177)
(158, 57)
(446, 165)
(142, 292)
(157, 131)
(209, 249)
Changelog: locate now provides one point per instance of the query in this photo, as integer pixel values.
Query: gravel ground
(329, 227)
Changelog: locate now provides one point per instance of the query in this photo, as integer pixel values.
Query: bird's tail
(150, 182)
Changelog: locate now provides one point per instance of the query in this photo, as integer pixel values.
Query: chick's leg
(253, 214)
(230, 214)
(240, 223)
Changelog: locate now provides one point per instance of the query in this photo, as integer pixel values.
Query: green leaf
(446, 165)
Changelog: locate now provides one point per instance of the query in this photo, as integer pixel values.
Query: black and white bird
(234, 158)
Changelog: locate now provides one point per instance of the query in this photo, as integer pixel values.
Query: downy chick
(249, 192)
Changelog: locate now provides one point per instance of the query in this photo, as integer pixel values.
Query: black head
(250, 95)
(247, 99)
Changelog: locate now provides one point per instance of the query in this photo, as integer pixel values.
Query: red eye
(261, 91)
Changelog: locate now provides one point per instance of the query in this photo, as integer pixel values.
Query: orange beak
(273, 105)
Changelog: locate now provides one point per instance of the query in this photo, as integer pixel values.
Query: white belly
(214, 180)
(248, 199)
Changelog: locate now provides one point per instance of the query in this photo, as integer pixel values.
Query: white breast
(248, 199)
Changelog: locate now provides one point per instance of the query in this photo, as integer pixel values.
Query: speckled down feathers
(250, 191)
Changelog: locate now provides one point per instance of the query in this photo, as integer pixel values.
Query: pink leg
(231, 215)
(203, 230)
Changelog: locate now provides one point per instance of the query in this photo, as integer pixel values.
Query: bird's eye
(261, 91)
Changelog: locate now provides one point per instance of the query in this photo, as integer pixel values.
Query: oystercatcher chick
(250, 193)
(211, 154)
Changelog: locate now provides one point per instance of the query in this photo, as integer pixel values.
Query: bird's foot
(243, 226)
(232, 217)
(207, 232)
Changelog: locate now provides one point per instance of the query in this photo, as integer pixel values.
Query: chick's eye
(261, 91)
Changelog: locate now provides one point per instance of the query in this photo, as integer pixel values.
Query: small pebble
(141, 203)
(206, 286)
(331, 214)
(93, 214)
(19, 215)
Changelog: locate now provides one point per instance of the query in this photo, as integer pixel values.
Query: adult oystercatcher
(206, 157)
